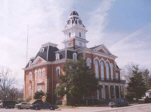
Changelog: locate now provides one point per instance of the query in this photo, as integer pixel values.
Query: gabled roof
(101, 48)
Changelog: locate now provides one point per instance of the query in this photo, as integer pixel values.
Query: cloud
(134, 48)
(98, 21)
(45, 19)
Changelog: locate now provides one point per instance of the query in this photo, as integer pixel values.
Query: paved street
(140, 107)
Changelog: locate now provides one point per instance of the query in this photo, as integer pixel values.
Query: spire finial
(74, 8)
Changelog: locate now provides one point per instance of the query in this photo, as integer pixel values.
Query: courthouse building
(42, 71)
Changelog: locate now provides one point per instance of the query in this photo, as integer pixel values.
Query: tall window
(58, 71)
(107, 70)
(29, 90)
(30, 75)
(35, 74)
(102, 70)
(43, 73)
(75, 56)
(69, 44)
(69, 34)
(89, 62)
(39, 74)
(56, 87)
(96, 69)
(117, 76)
(79, 34)
(39, 88)
(111, 71)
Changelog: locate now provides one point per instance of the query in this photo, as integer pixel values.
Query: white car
(23, 105)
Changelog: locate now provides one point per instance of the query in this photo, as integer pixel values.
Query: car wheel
(51, 108)
(19, 107)
(37, 108)
(111, 106)
(119, 105)
(6, 107)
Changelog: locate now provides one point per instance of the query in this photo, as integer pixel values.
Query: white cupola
(75, 32)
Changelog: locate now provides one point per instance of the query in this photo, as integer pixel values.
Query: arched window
(79, 34)
(58, 71)
(117, 76)
(39, 73)
(43, 73)
(35, 74)
(75, 56)
(111, 71)
(96, 69)
(69, 34)
(107, 70)
(30, 75)
(89, 62)
(56, 87)
(102, 70)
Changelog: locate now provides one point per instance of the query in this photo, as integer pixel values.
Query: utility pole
(27, 44)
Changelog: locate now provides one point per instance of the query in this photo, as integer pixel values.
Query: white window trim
(97, 69)
(57, 68)
(89, 62)
(39, 74)
(29, 89)
(102, 70)
(74, 56)
(107, 71)
(35, 74)
(117, 76)
(56, 87)
(111, 66)
(57, 56)
(43, 73)
(30, 75)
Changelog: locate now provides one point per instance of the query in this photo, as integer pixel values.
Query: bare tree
(15, 94)
(127, 72)
(7, 79)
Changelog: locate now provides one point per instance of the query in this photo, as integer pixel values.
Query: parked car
(43, 105)
(8, 104)
(1, 105)
(147, 100)
(23, 105)
(118, 103)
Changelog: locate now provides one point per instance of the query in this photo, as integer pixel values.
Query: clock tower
(74, 32)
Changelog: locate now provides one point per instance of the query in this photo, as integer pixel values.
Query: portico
(111, 90)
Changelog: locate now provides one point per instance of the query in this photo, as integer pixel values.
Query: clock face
(80, 22)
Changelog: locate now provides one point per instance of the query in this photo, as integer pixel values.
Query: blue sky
(124, 26)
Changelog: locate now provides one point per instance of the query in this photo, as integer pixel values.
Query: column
(114, 91)
(119, 91)
(124, 91)
(98, 94)
(109, 92)
(104, 92)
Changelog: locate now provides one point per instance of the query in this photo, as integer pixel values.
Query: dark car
(43, 105)
(147, 100)
(118, 103)
(8, 104)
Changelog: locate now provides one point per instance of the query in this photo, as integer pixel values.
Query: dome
(74, 13)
